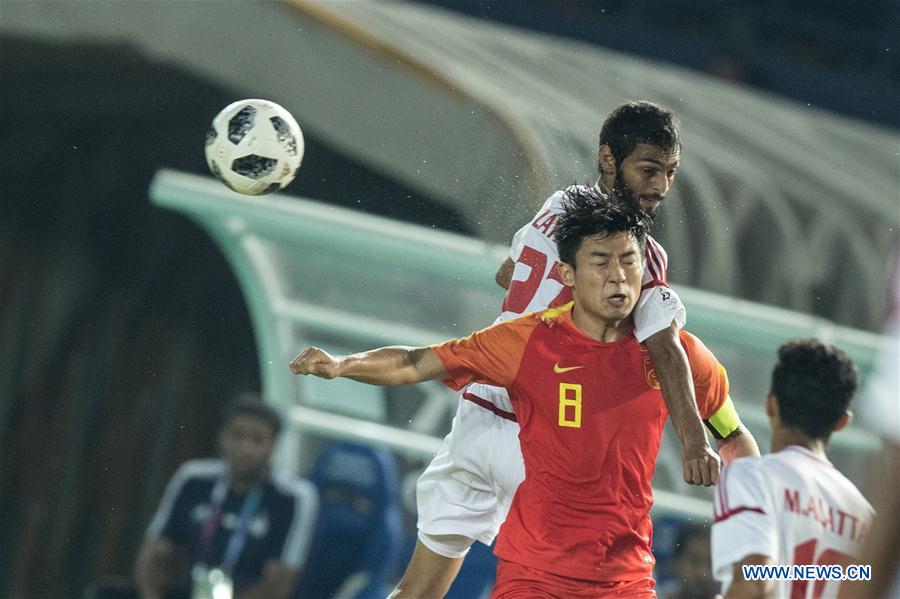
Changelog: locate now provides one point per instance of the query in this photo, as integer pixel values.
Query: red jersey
(591, 417)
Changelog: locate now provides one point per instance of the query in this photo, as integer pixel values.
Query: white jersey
(536, 285)
(792, 506)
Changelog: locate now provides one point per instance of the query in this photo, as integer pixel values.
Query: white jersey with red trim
(793, 506)
(536, 285)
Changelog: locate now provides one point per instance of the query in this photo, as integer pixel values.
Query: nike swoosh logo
(559, 369)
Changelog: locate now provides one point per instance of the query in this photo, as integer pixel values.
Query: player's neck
(600, 329)
(786, 437)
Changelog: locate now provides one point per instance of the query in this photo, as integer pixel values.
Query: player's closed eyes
(625, 263)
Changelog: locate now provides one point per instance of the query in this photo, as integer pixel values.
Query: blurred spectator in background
(690, 566)
(881, 413)
(230, 523)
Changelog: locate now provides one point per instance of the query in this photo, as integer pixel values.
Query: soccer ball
(254, 147)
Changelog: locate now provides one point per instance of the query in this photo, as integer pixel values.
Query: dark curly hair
(588, 213)
(813, 383)
(639, 122)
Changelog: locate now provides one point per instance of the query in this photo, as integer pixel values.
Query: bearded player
(589, 408)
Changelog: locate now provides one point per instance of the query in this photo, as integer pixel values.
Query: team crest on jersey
(650, 372)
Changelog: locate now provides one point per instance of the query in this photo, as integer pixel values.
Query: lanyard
(239, 536)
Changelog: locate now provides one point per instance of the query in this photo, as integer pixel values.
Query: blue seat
(357, 541)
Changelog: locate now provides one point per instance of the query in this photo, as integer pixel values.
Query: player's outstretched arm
(700, 463)
(386, 366)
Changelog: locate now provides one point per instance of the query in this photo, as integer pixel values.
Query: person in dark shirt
(238, 524)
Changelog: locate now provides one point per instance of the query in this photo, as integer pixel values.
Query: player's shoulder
(195, 478)
(557, 200)
(690, 340)
(801, 459)
(552, 315)
(525, 325)
(655, 247)
(511, 332)
(785, 459)
(798, 462)
(696, 350)
(851, 493)
(856, 497)
(778, 466)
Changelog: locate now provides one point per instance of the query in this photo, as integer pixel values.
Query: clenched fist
(701, 465)
(316, 362)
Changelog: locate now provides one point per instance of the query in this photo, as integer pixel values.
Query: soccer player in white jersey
(465, 493)
(793, 507)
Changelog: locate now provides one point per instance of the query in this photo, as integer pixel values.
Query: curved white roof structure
(776, 202)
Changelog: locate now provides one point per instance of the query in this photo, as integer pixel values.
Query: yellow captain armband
(725, 421)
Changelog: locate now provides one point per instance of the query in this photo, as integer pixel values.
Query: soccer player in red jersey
(466, 491)
(589, 407)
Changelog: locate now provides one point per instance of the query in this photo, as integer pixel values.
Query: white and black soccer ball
(254, 147)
